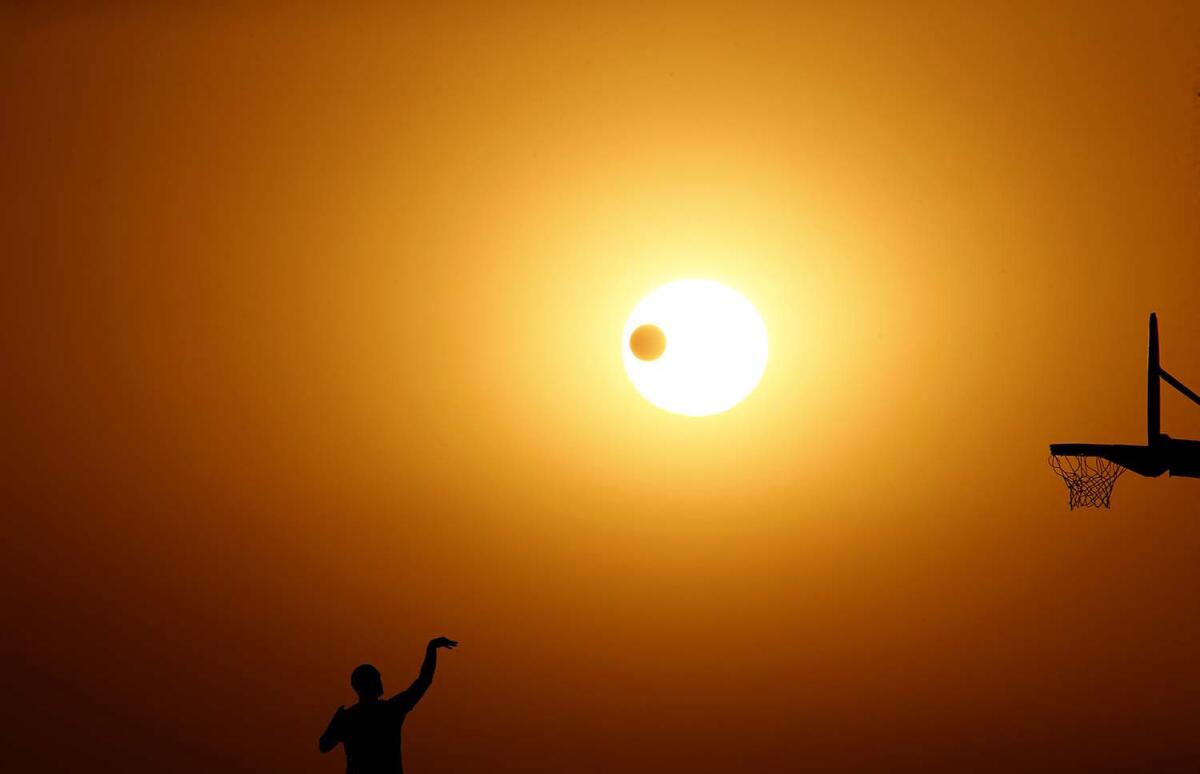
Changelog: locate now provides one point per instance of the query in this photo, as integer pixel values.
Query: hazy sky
(311, 326)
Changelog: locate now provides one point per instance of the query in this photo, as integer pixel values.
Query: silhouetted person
(370, 730)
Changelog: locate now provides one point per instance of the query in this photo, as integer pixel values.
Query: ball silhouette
(648, 342)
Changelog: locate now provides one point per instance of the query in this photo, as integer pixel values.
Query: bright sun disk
(695, 347)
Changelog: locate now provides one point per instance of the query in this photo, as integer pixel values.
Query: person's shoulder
(356, 710)
(371, 709)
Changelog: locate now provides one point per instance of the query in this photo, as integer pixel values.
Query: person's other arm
(411, 695)
(333, 734)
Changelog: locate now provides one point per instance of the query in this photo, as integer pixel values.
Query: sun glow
(695, 347)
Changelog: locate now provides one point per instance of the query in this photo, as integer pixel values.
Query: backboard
(1089, 483)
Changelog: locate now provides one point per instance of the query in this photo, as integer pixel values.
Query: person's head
(366, 682)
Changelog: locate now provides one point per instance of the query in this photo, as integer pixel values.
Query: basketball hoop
(1089, 479)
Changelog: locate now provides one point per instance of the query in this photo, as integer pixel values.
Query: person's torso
(372, 738)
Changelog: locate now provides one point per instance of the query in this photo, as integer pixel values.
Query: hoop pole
(1153, 389)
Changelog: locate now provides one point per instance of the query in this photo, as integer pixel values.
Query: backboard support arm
(1155, 372)
(1183, 388)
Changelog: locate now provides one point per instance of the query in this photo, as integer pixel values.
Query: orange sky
(311, 327)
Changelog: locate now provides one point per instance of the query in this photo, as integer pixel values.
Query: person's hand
(443, 642)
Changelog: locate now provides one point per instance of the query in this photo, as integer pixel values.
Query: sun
(695, 347)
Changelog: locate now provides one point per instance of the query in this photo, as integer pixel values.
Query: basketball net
(1089, 479)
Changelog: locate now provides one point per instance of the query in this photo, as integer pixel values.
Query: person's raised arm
(411, 695)
(333, 733)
